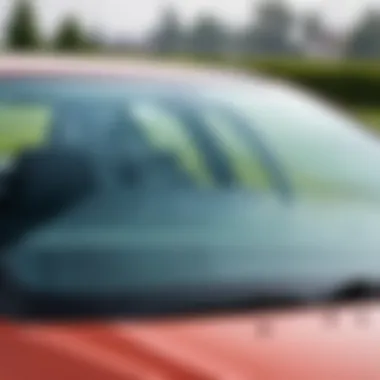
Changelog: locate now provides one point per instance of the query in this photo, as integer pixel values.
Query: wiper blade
(356, 291)
(170, 303)
(118, 282)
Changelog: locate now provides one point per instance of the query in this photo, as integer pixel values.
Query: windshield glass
(325, 152)
(141, 121)
(188, 182)
(137, 138)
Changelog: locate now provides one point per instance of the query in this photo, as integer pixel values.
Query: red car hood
(296, 346)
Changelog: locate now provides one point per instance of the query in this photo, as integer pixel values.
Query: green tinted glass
(22, 125)
(324, 152)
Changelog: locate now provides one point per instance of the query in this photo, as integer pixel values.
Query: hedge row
(348, 83)
(354, 84)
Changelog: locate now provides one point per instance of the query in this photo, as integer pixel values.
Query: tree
(270, 32)
(208, 36)
(95, 40)
(314, 37)
(168, 36)
(312, 28)
(70, 36)
(364, 41)
(22, 31)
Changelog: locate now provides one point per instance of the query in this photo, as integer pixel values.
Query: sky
(117, 17)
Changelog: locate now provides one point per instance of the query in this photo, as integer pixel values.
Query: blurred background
(329, 46)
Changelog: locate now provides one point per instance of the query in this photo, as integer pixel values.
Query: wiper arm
(356, 291)
(346, 292)
(116, 295)
(350, 292)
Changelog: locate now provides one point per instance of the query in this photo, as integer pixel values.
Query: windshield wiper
(168, 303)
(356, 291)
(351, 293)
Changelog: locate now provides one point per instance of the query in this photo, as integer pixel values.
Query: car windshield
(188, 168)
(324, 151)
(142, 121)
